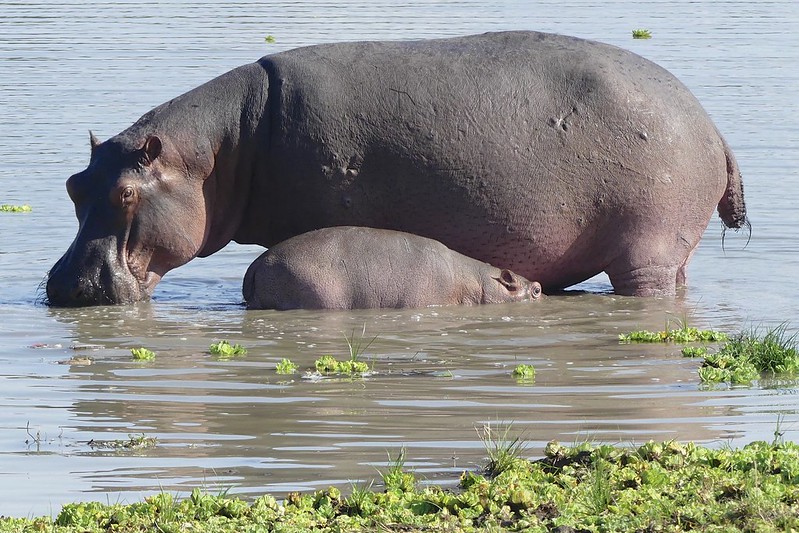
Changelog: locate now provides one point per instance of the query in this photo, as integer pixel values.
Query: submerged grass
(133, 442)
(660, 486)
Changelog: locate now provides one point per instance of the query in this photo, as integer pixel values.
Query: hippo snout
(96, 281)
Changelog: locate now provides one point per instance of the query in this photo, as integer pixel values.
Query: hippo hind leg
(648, 268)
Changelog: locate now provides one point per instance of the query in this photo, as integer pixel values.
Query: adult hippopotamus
(553, 156)
(350, 267)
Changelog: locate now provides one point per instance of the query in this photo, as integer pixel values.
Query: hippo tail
(732, 208)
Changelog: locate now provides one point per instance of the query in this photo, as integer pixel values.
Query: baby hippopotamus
(349, 267)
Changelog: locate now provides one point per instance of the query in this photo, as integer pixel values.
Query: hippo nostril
(76, 295)
(536, 290)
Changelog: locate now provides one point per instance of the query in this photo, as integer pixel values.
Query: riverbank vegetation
(659, 486)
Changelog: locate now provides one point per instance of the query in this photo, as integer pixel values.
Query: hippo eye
(536, 291)
(127, 195)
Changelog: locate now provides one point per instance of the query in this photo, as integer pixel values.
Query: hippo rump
(552, 156)
(351, 267)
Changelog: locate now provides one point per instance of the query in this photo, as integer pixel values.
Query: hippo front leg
(655, 280)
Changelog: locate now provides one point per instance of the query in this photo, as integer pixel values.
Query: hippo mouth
(138, 264)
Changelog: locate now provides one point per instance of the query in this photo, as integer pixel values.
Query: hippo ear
(508, 280)
(94, 142)
(151, 149)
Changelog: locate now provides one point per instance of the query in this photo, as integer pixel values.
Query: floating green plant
(524, 373)
(642, 34)
(327, 364)
(224, 349)
(285, 366)
(682, 335)
(142, 354)
(270, 39)
(7, 208)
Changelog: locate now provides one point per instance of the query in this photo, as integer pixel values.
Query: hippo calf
(362, 268)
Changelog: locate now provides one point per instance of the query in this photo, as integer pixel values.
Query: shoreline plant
(747, 356)
(658, 486)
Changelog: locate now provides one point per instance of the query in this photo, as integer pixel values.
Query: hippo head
(507, 286)
(141, 213)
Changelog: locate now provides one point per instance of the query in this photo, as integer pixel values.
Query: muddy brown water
(440, 374)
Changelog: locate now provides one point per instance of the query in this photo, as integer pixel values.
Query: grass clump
(642, 34)
(747, 357)
(8, 208)
(142, 354)
(659, 486)
(503, 449)
(285, 366)
(226, 350)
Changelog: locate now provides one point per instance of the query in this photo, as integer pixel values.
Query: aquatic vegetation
(327, 364)
(524, 373)
(285, 366)
(746, 357)
(694, 351)
(642, 34)
(133, 442)
(142, 354)
(659, 486)
(270, 39)
(680, 335)
(226, 350)
(7, 208)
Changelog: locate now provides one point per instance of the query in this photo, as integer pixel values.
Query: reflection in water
(439, 373)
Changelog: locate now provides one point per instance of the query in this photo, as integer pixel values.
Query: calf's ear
(508, 280)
